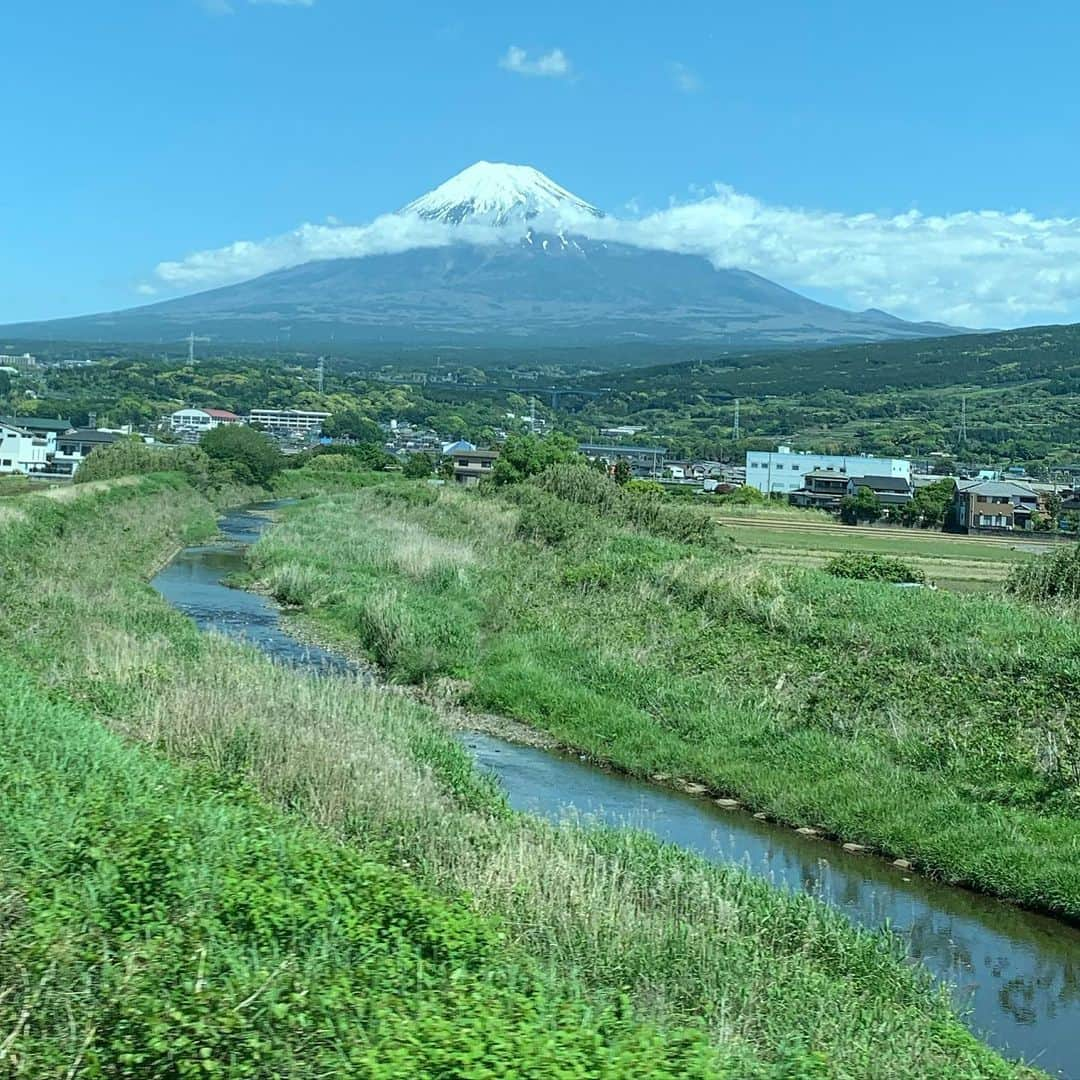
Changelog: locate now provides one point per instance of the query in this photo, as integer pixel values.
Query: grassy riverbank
(696, 970)
(937, 728)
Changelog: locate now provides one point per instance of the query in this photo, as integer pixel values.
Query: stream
(1016, 974)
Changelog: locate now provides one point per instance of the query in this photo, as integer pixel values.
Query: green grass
(162, 922)
(937, 728)
(659, 951)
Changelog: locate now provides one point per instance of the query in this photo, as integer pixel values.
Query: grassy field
(275, 875)
(937, 728)
(953, 562)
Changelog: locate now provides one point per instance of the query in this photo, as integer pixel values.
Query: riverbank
(927, 727)
(777, 984)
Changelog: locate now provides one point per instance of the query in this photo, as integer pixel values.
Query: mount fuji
(497, 255)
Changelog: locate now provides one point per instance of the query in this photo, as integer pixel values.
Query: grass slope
(938, 728)
(138, 885)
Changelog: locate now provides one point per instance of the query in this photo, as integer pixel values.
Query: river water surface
(1016, 974)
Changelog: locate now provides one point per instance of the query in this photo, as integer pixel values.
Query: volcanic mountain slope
(506, 260)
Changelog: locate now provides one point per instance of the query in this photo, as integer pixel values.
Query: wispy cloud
(972, 267)
(550, 65)
(227, 7)
(685, 79)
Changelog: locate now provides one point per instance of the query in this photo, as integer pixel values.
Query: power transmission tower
(736, 430)
(963, 420)
(320, 372)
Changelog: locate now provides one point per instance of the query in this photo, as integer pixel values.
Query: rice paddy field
(957, 563)
(214, 865)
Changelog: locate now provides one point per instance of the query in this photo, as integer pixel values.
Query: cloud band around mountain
(972, 268)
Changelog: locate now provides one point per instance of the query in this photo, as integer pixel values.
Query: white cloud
(685, 79)
(972, 267)
(144, 288)
(551, 65)
(249, 258)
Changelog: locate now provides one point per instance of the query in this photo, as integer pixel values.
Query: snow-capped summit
(494, 193)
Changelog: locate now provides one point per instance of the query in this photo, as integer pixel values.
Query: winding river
(1016, 974)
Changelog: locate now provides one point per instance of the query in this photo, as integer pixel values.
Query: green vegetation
(1053, 577)
(861, 566)
(899, 398)
(932, 727)
(248, 454)
(390, 916)
(785, 536)
(864, 505)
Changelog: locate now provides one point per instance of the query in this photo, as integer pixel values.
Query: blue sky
(140, 132)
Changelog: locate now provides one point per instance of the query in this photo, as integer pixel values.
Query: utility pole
(736, 430)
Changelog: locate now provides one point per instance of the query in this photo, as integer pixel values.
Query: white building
(783, 471)
(19, 363)
(288, 421)
(196, 422)
(26, 452)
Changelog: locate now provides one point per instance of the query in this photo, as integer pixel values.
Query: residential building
(784, 471)
(459, 447)
(821, 490)
(643, 460)
(39, 425)
(25, 451)
(73, 447)
(824, 489)
(471, 466)
(191, 424)
(993, 504)
(289, 421)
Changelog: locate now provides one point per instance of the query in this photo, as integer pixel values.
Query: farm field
(957, 563)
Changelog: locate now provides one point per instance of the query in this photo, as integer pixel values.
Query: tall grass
(771, 977)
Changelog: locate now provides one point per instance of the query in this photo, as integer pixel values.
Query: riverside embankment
(1016, 973)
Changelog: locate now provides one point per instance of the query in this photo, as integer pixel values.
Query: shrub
(1048, 577)
(132, 457)
(860, 566)
(418, 467)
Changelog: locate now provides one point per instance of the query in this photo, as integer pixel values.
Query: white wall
(770, 471)
(25, 453)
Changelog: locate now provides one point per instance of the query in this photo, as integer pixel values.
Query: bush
(643, 509)
(1048, 577)
(418, 467)
(860, 566)
(132, 457)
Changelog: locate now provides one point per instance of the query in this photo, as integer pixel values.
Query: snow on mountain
(494, 193)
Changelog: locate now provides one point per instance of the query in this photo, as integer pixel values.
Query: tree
(929, 505)
(864, 505)
(526, 455)
(352, 424)
(418, 467)
(251, 455)
(622, 472)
